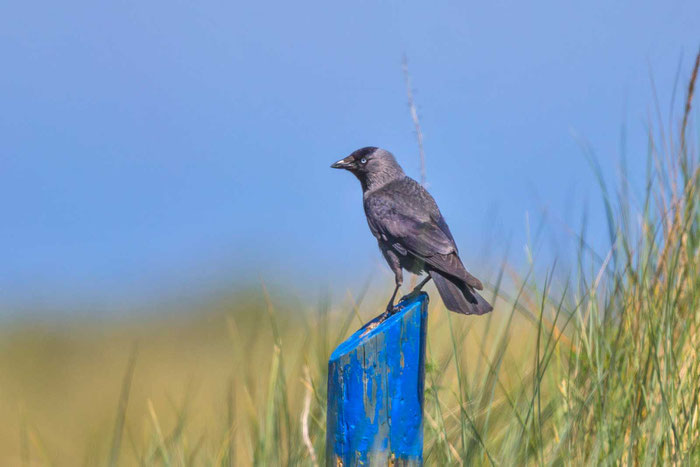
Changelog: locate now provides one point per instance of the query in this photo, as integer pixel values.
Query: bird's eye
(363, 161)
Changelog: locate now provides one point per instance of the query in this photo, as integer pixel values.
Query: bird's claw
(411, 296)
(390, 310)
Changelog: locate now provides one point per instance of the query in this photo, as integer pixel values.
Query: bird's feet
(390, 310)
(414, 294)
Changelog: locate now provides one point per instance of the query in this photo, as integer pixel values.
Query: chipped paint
(375, 391)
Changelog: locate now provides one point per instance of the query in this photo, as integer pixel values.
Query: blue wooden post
(375, 392)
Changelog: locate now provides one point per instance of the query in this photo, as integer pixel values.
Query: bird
(411, 232)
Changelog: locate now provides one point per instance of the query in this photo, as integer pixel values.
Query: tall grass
(597, 367)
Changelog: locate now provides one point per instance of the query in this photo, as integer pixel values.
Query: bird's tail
(459, 297)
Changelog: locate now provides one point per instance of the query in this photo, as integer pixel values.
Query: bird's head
(372, 166)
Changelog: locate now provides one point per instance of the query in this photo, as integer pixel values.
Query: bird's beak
(343, 164)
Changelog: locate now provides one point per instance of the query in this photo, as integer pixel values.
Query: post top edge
(360, 337)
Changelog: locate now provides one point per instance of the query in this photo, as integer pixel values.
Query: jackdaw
(411, 232)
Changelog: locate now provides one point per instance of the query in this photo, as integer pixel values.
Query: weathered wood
(375, 391)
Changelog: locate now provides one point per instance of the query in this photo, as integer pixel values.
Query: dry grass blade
(689, 100)
(414, 117)
(121, 409)
(305, 418)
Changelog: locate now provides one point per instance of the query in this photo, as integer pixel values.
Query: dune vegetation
(594, 366)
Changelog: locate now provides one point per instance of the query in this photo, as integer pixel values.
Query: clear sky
(156, 149)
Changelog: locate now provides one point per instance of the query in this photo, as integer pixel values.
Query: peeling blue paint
(375, 391)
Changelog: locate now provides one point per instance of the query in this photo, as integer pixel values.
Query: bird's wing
(409, 229)
(440, 221)
(391, 221)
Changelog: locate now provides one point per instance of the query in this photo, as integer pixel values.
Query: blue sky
(159, 149)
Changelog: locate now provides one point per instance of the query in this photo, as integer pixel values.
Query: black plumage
(410, 230)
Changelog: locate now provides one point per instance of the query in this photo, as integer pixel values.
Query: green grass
(599, 366)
